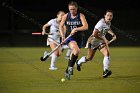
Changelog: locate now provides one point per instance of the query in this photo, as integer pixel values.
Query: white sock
(82, 60)
(45, 54)
(53, 60)
(106, 61)
(68, 52)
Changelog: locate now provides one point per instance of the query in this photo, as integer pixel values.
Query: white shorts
(53, 38)
(94, 44)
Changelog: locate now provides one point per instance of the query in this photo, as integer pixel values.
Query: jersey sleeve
(50, 22)
(99, 26)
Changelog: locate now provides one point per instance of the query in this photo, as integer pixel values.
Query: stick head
(43, 59)
(45, 56)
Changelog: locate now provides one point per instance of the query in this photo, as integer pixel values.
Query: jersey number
(72, 27)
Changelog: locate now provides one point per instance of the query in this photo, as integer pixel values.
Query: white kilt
(95, 43)
(53, 38)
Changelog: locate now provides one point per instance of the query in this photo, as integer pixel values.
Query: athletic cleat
(70, 70)
(67, 76)
(78, 66)
(107, 73)
(52, 68)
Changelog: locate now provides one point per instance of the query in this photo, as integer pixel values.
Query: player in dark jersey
(75, 23)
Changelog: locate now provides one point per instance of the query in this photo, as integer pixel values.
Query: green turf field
(21, 71)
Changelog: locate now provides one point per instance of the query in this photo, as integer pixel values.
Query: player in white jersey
(67, 56)
(98, 41)
(54, 39)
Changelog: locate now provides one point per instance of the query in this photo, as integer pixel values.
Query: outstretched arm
(113, 36)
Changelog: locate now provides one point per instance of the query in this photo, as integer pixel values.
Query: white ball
(62, 80)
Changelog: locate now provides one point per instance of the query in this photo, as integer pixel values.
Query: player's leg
(89, 57)
(54, 56)
(84, 59)
(68, 53)
(75, 51)
(106, 61)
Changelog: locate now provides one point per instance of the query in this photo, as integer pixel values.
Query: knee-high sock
(53, 60)
(82, 60)
(72, 60)
(68, 52)
(106, 62)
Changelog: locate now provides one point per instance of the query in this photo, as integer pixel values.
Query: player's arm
(113, 36)
(61, 27)
(44, 28)
(84, 25)
(96, 34)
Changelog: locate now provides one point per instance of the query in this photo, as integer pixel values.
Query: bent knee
(75, 51)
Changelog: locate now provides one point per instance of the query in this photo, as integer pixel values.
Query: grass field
(21, 71)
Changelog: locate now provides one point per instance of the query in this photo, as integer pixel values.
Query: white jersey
(103, 28)
(54, 29)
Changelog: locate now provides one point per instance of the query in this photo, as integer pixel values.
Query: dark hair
(109, 11)
(73, 4)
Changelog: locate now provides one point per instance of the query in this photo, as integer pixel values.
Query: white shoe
(81, 60)
(52, 68)
(45, 54)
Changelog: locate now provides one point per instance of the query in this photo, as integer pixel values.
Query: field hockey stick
(39, 33)
(48, 54)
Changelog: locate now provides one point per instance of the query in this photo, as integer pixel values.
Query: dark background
(16, 31)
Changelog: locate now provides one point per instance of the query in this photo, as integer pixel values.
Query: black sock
(67, 70)
(72, 60)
